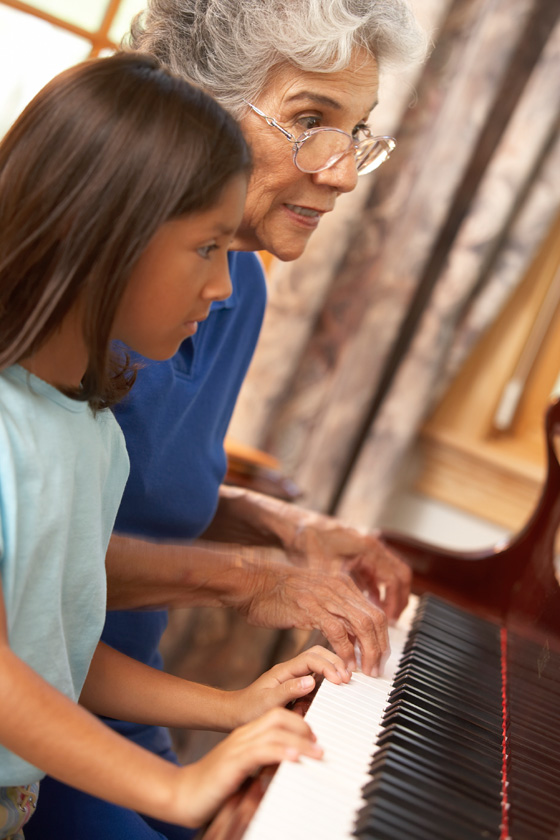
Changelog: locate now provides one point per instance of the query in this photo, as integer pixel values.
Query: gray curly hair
(231, 47)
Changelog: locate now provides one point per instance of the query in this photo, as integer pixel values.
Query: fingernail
(317, 750)
(307, 683)
(292, 754)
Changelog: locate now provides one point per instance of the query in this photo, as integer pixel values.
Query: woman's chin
(285, 246)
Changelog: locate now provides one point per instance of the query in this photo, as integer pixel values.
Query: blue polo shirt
(174, 421)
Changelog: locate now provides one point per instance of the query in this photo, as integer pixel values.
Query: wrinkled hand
(288, 681)
(274, 737)
(326, 543)
(279, 595)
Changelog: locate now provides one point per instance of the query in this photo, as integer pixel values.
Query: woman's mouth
(304, 215)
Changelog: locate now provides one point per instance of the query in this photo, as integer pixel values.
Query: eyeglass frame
(310, 132)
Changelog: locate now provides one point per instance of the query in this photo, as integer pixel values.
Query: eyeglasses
(320, 148)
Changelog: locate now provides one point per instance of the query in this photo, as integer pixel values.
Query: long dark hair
(107, 152)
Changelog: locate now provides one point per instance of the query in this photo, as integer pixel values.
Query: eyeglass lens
(322, 149)
(372, 154)
(325, 147)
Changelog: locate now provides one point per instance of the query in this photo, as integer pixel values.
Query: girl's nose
(219, 285)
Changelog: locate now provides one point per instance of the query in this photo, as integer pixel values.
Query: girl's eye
(206, 250)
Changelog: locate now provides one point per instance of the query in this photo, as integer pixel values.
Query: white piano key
(312, 798)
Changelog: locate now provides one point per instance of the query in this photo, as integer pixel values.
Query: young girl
(121, 188)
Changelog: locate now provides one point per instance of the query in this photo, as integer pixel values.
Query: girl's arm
(51, 732)
(120, 687)
(61, 738)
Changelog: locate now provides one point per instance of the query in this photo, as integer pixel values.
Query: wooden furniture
(513, 590)
(464, 459)
(257, 470)
(514, 582)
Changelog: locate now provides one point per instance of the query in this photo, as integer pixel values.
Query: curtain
(366, 330)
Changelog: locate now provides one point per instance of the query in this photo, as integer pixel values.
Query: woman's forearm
(249, 518)
(316, 580)
(249, 533)
(149, 575)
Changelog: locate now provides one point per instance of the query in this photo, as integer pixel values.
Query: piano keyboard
(437, 766)
(459, 740)
(310, 798)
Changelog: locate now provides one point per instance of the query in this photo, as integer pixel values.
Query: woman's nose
(343, 176)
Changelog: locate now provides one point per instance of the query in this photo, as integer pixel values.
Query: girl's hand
(276, 736)
(286, 682)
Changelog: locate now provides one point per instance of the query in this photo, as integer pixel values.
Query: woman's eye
(307, 122)
(206, 250)
(361, 131)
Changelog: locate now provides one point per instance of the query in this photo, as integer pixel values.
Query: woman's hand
(326, 543)
(306, 570)
(279, 595)
(276, 736)
(286, 682)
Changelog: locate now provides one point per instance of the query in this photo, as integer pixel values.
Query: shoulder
(247, 267)
(111, 441)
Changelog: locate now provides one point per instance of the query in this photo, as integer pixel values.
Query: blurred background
(38, 40)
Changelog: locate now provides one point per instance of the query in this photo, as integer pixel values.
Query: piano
(460, 738)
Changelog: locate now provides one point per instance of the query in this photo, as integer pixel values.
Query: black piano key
(390, 821)
(451, 624)
(439, 784)
(437, 769)
(482, 665)
(454, 777)
(456, 682)
(440, 800)
(439, 756)
(480, 712)
(445, 673)
(458, 819)
(444, 720)
(453, 682)
(467, 659)
(474, 760)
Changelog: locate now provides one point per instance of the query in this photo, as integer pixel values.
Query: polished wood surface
(514, 581)
(257, 470)
(463, 459)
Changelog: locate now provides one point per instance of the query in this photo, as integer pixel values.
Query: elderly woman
(302, 78)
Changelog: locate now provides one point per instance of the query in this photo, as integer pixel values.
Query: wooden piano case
(513, 584)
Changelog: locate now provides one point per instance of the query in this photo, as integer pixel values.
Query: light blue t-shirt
(62, 474)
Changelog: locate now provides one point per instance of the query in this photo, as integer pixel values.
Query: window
(39, 39)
